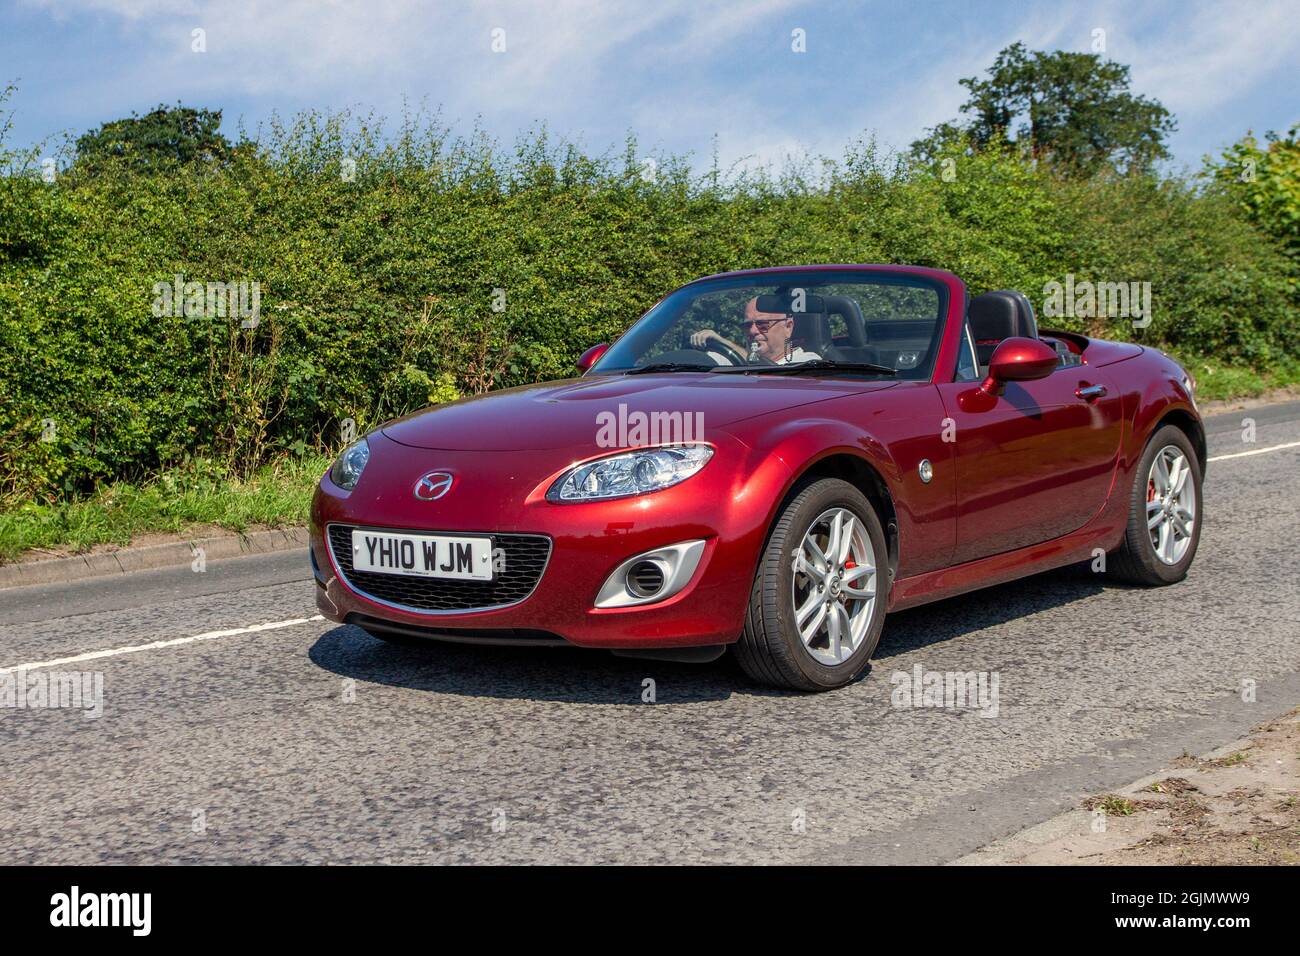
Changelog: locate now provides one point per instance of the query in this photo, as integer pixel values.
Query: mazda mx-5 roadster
(770, 460)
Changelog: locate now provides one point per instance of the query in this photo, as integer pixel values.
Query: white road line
(157, 645)
(1257, 451)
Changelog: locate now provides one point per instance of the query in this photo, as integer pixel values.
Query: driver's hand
(703, 337)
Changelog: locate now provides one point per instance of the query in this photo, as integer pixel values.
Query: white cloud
(304, 46)
(128, 9)
(676, 72)
(1215, 52)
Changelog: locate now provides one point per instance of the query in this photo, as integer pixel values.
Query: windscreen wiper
(823, 365)
(667, 367)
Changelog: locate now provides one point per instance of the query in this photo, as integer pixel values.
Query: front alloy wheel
(1164, 523)
(818, 602)
(1171, 504)
(834, 586)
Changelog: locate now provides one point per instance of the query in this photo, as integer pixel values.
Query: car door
(1033, 463)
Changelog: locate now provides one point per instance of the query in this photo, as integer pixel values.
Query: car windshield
(831, 321)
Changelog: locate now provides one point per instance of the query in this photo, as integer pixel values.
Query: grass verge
(176, 502)
(1223, 382)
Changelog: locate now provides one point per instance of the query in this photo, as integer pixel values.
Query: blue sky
(675, 72)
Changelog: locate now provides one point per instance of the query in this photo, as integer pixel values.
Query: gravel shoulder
(1238, 805)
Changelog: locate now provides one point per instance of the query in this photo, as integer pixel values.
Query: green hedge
(377, 265)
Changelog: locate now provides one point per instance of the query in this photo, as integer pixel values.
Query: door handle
(1090, 392)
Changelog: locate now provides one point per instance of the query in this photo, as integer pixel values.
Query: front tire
(1164, 522)
(817, 605)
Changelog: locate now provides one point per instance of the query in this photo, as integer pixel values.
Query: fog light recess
(651, 576)
(646, 579)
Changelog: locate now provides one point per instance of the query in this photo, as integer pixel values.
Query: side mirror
(593, 354)
(1019, 360)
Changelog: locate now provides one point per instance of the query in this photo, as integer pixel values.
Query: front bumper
(503, 493)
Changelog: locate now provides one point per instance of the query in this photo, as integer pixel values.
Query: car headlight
(346, 470)
(630, 473)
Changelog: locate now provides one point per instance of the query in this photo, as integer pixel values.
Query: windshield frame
(651, 326)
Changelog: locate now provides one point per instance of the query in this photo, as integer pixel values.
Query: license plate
(422, 555)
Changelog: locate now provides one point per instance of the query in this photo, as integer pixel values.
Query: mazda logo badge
(433, 486)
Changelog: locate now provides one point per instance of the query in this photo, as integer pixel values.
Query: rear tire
(1165, 513)
(810, 625)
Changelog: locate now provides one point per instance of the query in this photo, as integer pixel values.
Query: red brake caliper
(849, 565)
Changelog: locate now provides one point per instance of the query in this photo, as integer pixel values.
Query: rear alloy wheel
(817, 606)
(1164, 523)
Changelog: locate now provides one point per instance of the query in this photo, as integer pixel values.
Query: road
(311, 742)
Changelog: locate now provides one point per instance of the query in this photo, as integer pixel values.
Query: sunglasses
(760, 325)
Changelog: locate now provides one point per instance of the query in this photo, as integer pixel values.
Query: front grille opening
(525, 557)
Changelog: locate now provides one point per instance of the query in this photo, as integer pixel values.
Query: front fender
(888, 439)
(1164, 394)
(802, 443)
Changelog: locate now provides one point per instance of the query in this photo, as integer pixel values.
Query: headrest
(811, 332)
(785, 303)
(1001, 315)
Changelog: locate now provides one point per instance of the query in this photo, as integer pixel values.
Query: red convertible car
(770, 460)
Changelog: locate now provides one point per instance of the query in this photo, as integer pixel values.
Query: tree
(1073, 110)
(164, 137)
(1266, 182)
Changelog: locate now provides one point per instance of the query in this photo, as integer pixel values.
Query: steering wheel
(691, 356)
(714, 345)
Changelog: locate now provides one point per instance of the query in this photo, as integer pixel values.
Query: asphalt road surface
(303, 741)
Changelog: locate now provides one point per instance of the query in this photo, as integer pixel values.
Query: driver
(769, 338)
